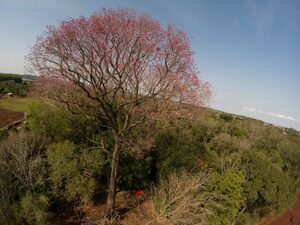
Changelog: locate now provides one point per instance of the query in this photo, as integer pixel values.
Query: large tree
(119, 68)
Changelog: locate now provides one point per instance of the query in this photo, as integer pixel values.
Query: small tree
(23, 179)
(184, 198)
(118, 68)
(72, 171)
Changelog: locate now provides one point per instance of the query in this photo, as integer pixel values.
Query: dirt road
(290, 217)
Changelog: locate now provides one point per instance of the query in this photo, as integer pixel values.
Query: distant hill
(18, 78)
(230, 116)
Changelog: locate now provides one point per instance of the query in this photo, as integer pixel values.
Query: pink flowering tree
(119, 68)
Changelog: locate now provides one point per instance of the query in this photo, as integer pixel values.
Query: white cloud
(248, 109)
(280, 116)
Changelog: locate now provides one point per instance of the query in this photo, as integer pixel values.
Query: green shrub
(225, 151)
(228, 190)
(73, 171)
(266, 188)
(48, 120)
(34, 209)
(54, 122)
(137, 174)
(177, 149)
(3, 134)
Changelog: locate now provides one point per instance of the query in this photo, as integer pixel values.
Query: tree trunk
(111, 198)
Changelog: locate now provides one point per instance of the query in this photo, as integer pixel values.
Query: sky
(249, 50)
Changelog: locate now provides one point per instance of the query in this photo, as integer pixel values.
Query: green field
(18, 104)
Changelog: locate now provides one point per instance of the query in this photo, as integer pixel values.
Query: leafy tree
(58, 124)
(177, 149)
(237, 129)
(266, 187)
(34, 208)
(206, 128)
(119, 68)
(224, 151)
(137, 174)
(226, 117)
(49, 120)
(290, 154)
(73, 172)
(228, 191)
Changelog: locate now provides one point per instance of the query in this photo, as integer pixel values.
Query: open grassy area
(18, 104)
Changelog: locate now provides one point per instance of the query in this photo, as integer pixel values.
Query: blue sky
(249, 50)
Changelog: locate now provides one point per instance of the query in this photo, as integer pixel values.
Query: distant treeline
(16, 77)
(15, 83)
(6, 77)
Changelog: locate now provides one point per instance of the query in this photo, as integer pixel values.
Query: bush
(177, 149)
(23, 157)
(23, 177)
(7, 195)
(3, 134)
(266, 188)
(224, 151)
(54, 122)
(49, 121)
(136, 174)
(184, 199)
(73, 171)
(228, 190)
(34, 208)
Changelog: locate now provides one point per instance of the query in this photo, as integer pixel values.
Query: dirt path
(290, 217)
(8, 117)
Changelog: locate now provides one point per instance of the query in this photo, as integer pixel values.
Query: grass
(18, 104)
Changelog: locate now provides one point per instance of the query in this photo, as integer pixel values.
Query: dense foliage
(7, 77)
(240, 170)
(254, 164)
